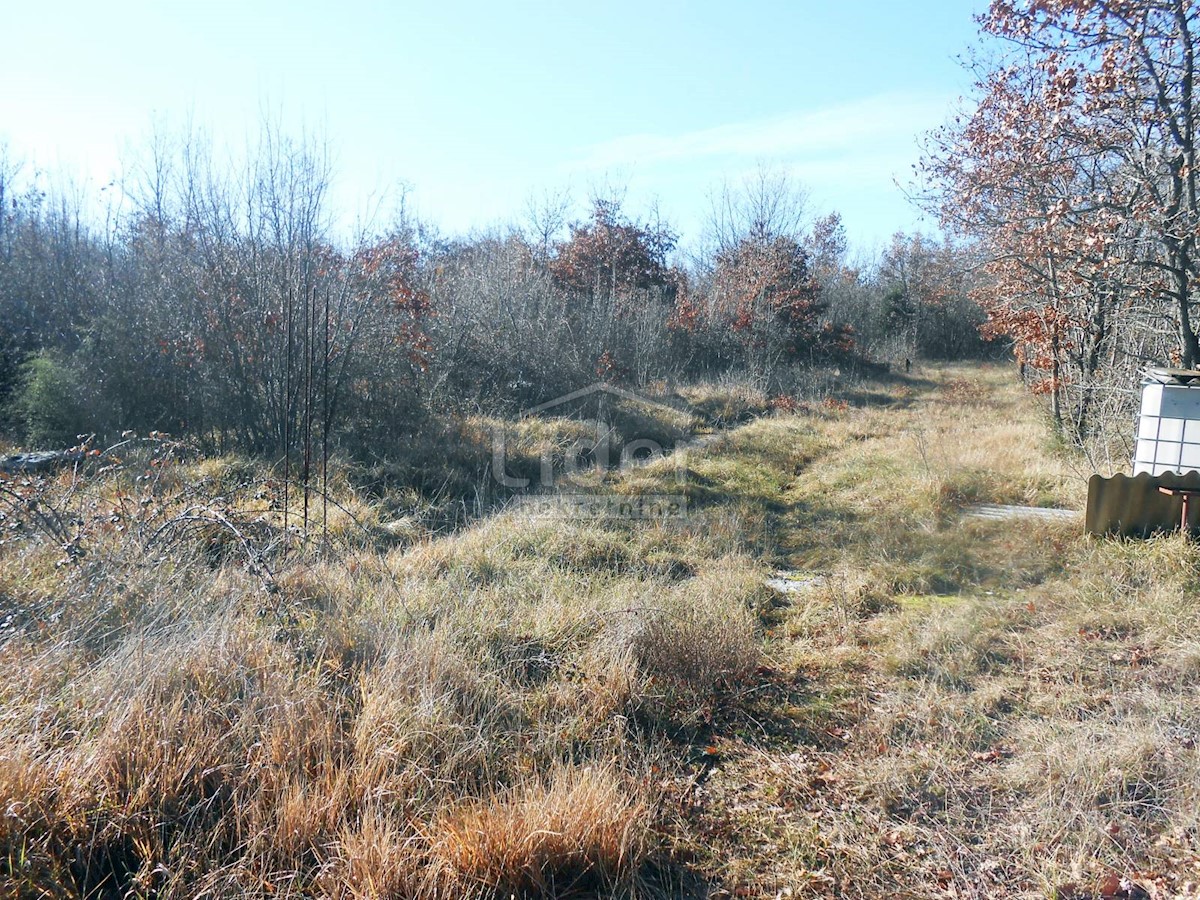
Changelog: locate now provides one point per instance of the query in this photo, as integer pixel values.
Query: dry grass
(964, 708)
(726, 402)
(539, 707)
(582, 829)
(187, 713)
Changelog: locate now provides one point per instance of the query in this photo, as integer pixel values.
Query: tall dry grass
(187, 712)
(945, 706)
(962, 707)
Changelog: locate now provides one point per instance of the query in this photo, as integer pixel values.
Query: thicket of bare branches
(220, 301)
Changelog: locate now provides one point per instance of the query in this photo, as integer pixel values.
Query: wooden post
(1186, 494)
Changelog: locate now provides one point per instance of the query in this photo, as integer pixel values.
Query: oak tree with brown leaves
(1076, 173)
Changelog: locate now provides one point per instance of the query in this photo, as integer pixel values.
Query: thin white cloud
(850, 158)
(881, 123)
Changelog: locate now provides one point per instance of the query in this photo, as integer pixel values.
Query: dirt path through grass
(610, 706)
(955, 707)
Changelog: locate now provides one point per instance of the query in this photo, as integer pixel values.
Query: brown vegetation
(943, 706)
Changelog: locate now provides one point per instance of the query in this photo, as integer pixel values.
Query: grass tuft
(423, 703)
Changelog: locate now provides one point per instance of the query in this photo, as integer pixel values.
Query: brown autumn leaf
(1109, 887)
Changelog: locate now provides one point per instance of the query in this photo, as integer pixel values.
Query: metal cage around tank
(1168, 425)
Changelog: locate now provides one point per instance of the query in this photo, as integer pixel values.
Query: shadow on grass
(880, 399)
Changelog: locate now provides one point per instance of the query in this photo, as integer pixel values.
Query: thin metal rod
(309, 312)
(325, 428)
(287, 417)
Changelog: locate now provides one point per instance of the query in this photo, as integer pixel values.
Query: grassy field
(941, 706)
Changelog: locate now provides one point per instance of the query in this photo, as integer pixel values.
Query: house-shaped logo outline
(597, 387)
(678, 451)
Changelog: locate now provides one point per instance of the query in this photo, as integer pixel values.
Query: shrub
(50, 402)
(699, 642)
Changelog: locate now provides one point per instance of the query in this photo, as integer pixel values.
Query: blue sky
(478, 105)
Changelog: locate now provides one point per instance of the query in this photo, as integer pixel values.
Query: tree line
(1074, 177)
(221, 303)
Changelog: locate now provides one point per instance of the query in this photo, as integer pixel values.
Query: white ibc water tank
(1168, 431)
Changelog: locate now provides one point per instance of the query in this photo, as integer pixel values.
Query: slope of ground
(938, 706)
